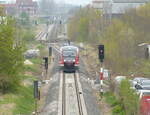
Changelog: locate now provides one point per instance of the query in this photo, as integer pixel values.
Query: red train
(69, 58)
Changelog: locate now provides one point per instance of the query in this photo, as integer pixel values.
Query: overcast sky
(76, 2)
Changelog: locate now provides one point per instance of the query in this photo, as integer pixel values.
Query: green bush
(11, 56)
(118, 110)
(40, 46)
(111, 99)
(129, 99)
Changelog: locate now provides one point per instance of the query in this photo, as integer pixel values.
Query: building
(28, 6)
(9, 9)
(117, 6)
(97, 4)
(21, 6)
(121, 6)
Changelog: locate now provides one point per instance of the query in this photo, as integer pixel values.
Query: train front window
(70, 54)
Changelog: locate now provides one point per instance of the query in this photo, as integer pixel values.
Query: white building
(121, 6)
(117, 6)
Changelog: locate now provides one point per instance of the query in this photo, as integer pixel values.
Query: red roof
(7, 5)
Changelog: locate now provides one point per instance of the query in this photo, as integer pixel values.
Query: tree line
(121, 37)
(11, 55)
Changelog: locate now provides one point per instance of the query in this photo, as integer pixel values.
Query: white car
(137, 80)
(144, 84)
(142, 93)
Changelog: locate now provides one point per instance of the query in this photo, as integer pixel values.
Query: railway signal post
(46, 63)
(101, 58)
(50, 54)
(36, 96)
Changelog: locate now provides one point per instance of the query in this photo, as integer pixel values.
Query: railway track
(72, 97)
(78, 95)
(40, 35)
(64, 96)
(47, 33)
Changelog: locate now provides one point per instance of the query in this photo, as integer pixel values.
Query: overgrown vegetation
(128, 98)
(121, 37)
(127, 103)
(11, 57)
(28, 35)
(16, 79)
(115, 103)
(25, 103)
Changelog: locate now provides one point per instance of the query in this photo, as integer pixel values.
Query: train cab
(69, 58)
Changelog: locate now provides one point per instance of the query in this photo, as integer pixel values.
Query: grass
(25, 101)
(40, 46)
(22, 100)
(31, 68)
(111, 99)
(114, 102)
(23, 77)
(36, 60)
(7, 98)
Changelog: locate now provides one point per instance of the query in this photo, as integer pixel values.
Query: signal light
(50, 51)
(36, 95)
(101, 52)
(46, 62)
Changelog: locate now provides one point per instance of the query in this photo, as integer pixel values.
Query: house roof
(7, 5)
(130, 1)
(26, 3)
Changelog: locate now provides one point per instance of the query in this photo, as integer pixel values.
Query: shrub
(28, 35)
(129, 98)
(117, 109)
(40, 46)
(111, 99)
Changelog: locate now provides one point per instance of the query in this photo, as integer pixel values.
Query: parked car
(144, 84)
(145, 105)
(142, 93)
(138, 80)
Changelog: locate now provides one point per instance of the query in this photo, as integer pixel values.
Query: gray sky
(76, 2)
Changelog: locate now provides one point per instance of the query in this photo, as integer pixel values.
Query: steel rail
(64, 96)
(78, 95)
(80, 109)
